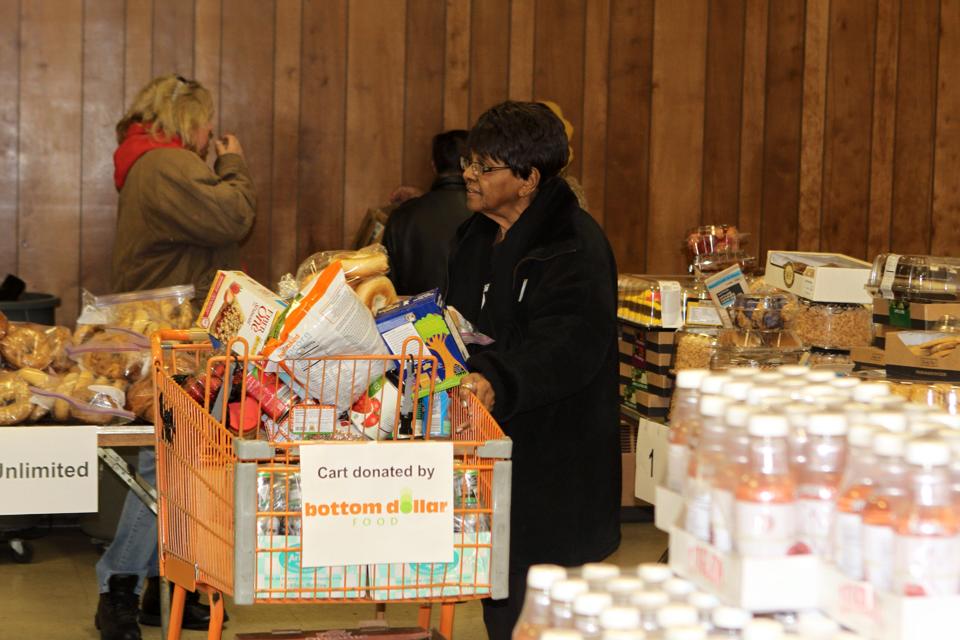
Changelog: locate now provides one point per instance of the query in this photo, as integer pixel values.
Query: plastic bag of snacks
(141, 311)
(101, 404)
(116, 354)
(37, 346)
(15, 403)
(364, 269)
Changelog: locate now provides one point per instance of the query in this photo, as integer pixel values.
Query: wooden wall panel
(558, 66)
(752, 122)
(284, 187)
(722, 111)
(676, 130)
(945, 228)
(847, 134)
(138, 42)
(323, 71)
(916, 122)
(489, 55)
(207, 34)
(781, 149)
(374, 94)
(173, 23)
(51, 72)
(593, 165)
(522, 26)
(456, 86)
(103, 100)
(816, 39)
(626, 212)
(246, 99)
(423, 88)
(9, 133)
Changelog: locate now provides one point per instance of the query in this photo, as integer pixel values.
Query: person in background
(572, 182)
(418, 232)
(178, 222)
(534, 271)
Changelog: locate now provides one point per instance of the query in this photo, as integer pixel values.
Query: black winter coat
(419, 232)
(551, 308)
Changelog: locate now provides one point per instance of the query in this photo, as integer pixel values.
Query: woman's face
(492, 192)
(203, 137)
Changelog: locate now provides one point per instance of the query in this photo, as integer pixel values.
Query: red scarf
(137, 142)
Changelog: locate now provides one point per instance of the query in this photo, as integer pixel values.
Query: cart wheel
(22, 551)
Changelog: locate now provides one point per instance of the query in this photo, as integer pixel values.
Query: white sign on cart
(376, 503)
(48, 470)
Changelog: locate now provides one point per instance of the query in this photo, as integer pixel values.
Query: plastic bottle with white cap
(793, 388)
(927, 543)
(856, 412)
(704, 602)
(648, 602)
(867, 391)
(820, 376)
(684, 423)
(951, 420)
(847, 635)
(535, 614)
(819, 481)
(677, 615)
(895, 421)
(708, 455)
(762, 393)
(846, 383)
(688, 632)
(858, 482)
(561, 634)
(798, 415)
(741, 372)
(620, 589)
(598, 573)
(737, 389)
(954, 468)
(768, 377)
(919, 428)
(729, 475)
(793, 370)
(813, 625)
(729, 622)
(678, 589)
(765, 508)
(653, 573)
(587, 608)
(814, 392)
(763, 629)
(562, 595)
(712, 385)
(889, 495)
(620, 619)
(889, 403)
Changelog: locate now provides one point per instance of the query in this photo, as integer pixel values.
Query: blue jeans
(134, 547)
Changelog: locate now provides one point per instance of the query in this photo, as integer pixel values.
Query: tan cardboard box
(903, 362)
(821, 277)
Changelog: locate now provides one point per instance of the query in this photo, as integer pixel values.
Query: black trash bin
(39, 308)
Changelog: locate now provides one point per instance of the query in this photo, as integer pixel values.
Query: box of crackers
(923, 355)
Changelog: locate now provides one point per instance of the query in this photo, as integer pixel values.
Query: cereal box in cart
(238, 306)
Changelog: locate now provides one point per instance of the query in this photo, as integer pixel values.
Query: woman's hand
(478, 385)
(228, 144)
(403, 193)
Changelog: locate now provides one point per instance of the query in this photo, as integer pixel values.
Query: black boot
(117, 611)
(196, 615)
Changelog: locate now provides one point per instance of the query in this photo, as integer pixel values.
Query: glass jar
(695, 347)
(714, 247)
(829, 325)
(764, 349)
(831, 360)
(915, 278)
(763, 312)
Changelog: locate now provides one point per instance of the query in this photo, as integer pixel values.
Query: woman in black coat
(535, 272)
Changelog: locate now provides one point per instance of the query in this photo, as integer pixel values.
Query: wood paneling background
(818, 124)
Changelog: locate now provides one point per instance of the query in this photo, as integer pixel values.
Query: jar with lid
(917, 278)
(695, 347)
(829, 325)
(763, 311)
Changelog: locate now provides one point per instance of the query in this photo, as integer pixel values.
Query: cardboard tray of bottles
(666, 508)
(760, 585)
(884, 616)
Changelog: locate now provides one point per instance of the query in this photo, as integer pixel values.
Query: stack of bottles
(794, 461)
(605, 602)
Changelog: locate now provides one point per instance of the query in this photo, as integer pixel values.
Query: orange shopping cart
(229, 508)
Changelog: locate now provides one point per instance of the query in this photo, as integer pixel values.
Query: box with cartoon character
(423, 316)
(281, 576)
(467, 574)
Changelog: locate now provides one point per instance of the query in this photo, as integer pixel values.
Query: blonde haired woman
(177, 223)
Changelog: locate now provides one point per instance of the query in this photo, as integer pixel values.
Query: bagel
(4, 324)
(15, 405)
(376, 293)
(60, 338)
(364, 265)
(26, 346)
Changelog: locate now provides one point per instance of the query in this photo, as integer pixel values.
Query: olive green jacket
(178, 221)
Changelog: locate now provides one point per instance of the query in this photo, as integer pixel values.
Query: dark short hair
(448, 148)
(522, 135)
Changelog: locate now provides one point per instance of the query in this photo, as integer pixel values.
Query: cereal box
(238, 306)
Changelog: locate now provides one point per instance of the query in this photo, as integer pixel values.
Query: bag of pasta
(142, 312)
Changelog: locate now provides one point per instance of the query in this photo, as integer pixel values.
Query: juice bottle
(736, 447)
(765, 520)
(814, 392)
(620, 619)
(888, 494)
(707, 457)
(927, 542)
(648, 603)
(858, 480)
(845, 383)
(587, 608)
(737, 390)
(819, 480)
(678, 589)
(919, 428)
(562, 595)
(684, 422)
(705, 603)
(729, 622)
(676, 615)
(895, 421)
(793, 370)
(820, 376)
(535, 614)
(620, 589)
(653, 573)
(867, 391)
(798, 414)
(598, 573)
(761, 392)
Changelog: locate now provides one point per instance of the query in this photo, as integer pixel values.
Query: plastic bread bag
(328, 319)
(32, 345)
(117, 354)
(15, 402)
(140, 399)
(42, 380)
(100, 404)
(357, 265)
(141, 311)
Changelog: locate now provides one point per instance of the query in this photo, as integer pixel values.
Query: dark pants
(500, 616)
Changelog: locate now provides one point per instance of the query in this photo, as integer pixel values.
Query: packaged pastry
(763, 311)
(695, 348)
(915, 278)
(650, 302)
(15, 403)
(117, 354)
(143, 312)
(30, 345)
(364, 269)
(830, 325)
(714, 247)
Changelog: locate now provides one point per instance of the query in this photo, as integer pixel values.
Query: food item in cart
(357, 265)
(27, 345)
(237, 306)
(833, 325)
(15, 405)
(376, 293)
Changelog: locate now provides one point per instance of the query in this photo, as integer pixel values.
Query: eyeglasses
(478, 168)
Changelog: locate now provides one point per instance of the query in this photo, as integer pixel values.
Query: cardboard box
(821, 277)
(423, 316)
(903, 363)
(898, 315)
(467, 574)
(373, 225)
(239, 306)
(868, 356)
(280, 576)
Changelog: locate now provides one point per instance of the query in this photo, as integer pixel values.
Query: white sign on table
(48, 470)
(369, 503)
